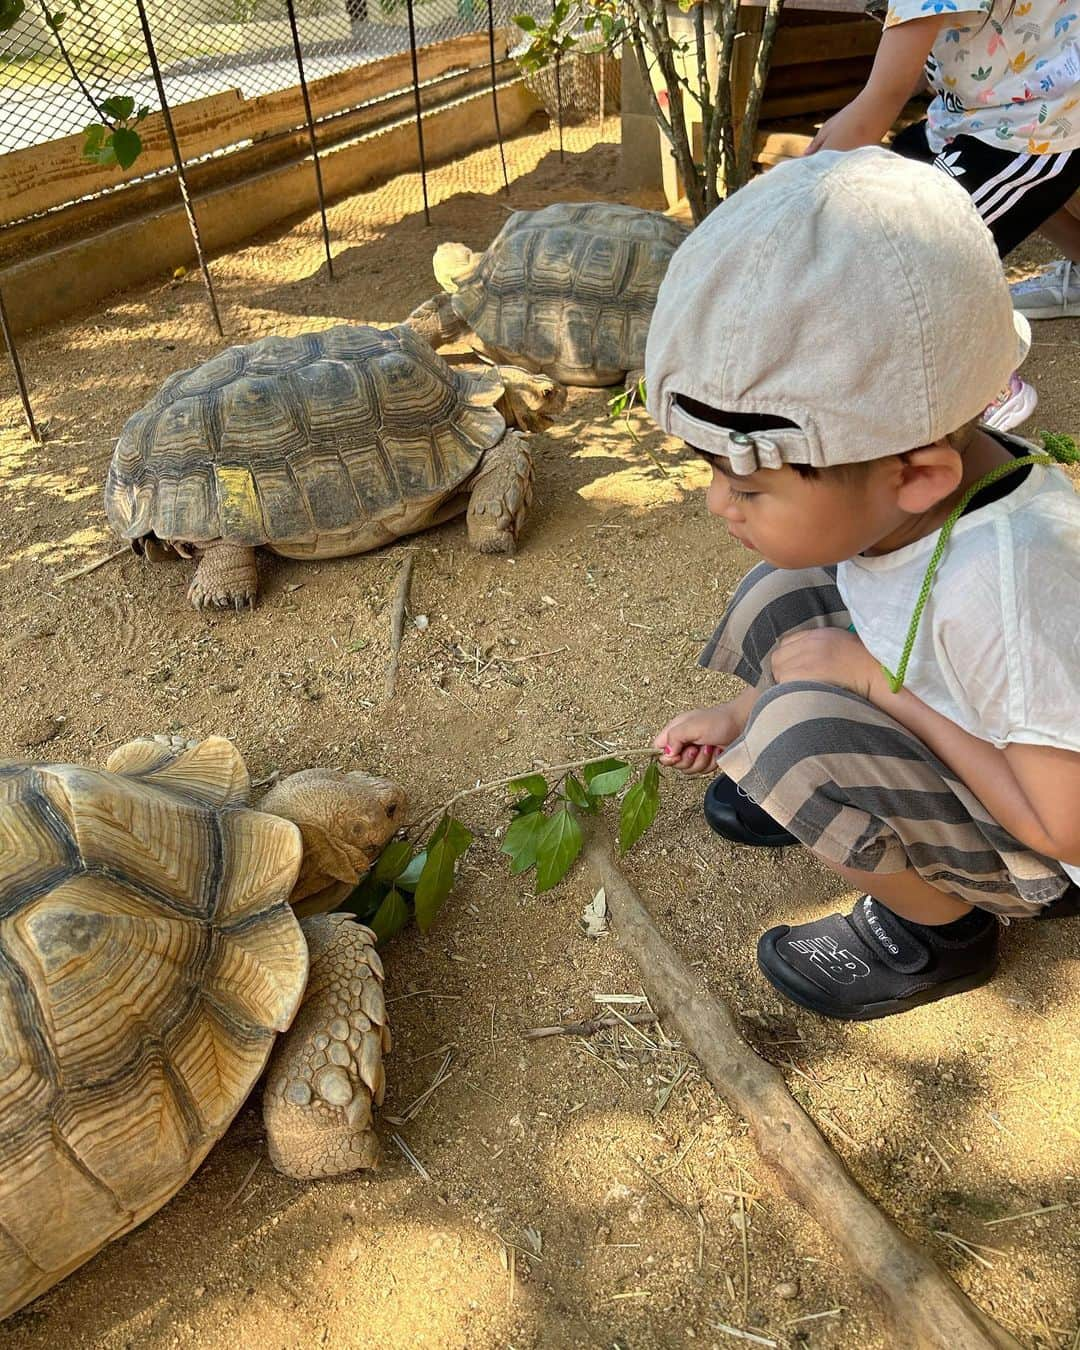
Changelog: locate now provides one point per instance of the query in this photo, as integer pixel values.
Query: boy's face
(794, 521)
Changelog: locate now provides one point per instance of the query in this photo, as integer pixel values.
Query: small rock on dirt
(786, 1289)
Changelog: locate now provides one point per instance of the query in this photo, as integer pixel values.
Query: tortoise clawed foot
(226, 578)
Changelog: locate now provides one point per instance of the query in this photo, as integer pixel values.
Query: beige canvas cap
(857, 294)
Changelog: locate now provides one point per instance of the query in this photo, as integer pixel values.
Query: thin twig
(1027, 1214)
(533, 656)
(547, 769)
(92, 566)
(442, 1074)
(742, 1335)
(589, 1028)
(243, 1185)
(397, 621)
(411, 1156)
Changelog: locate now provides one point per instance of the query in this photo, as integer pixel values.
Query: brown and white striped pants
(853, 785)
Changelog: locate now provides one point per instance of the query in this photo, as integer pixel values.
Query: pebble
(786, 1289)
(421, 621)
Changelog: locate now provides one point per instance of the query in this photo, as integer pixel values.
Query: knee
(803, 717)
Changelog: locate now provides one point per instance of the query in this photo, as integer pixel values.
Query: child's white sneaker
(1053, 294)
(1015, 404)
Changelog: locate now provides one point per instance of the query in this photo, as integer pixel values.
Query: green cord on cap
(1059, 450)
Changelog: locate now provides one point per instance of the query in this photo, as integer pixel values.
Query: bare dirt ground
(577, 1193)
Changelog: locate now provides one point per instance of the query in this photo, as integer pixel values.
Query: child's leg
(874, 804)
(1014, 193)
(768, 604)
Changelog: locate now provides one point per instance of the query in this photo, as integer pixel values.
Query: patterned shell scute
(576, 283)
(288, 440)
(148, 955)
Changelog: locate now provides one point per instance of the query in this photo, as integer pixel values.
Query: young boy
(825, 339)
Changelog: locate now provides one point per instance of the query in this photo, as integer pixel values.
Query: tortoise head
(345, 820)
(452, 265)
(530, 401)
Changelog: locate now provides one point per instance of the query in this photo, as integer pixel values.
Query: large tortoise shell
(287, 442)
(571, 288)
(148, 955)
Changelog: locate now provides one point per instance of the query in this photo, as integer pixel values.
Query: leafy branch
(113, 138)
(674, 56)
(545, 834)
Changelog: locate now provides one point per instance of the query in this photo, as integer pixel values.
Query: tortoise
(149, 955)
(322, 445)
(568, 290)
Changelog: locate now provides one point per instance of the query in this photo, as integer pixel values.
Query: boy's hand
(693, 741)
(826, 656)
(861, 122)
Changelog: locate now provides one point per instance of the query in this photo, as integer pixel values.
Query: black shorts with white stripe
(1014, 192)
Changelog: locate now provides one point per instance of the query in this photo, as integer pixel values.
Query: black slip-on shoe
(868, 964)
(732, 814)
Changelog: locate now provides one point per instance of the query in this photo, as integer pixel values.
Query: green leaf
(407, 880)
(95, 139)
(526, 22)
(522, 840)
(127, 146)
(526, 805)
(392, 915)
(11, 11)
(54, 21)
(119, 106)
(559, 845)
(143, 112)
(366, 898)
(638, 812)
(534, 783)
(576, 793)
(445, 846)
(606, 776)
(651, 779)
(393, 860)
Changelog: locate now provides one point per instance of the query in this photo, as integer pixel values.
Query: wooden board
(825, 42)
(45, 176)
(92, 214)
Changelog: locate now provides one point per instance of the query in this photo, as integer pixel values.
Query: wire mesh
(205, 47)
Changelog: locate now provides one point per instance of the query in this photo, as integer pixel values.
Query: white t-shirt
(998, 647)
(1007, 77)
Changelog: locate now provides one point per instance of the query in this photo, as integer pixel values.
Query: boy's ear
(927, 476)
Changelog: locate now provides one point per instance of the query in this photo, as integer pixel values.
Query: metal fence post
(291, 8)
(495, 94)
(419, 110)
(20, 379)
(178, 160)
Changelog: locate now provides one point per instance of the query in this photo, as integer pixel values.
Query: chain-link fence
(51, 80)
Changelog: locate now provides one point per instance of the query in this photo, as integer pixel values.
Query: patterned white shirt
(1011, 79)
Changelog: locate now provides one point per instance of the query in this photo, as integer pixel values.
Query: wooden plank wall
(45, 176)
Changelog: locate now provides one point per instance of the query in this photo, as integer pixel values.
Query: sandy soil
(577, 1193)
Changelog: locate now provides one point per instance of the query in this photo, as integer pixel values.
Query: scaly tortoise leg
(226, 577)
(436, 321)
(326, 1073)
(500, 497)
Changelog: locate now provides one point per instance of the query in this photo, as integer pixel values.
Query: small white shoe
(1014, 405)
(1053, 294)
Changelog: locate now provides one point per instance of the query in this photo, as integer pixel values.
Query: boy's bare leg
(1063, 229)
(906, 894)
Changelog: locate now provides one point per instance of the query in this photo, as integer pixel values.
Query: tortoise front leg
(226, 577)
(326, 1073)
(436, 321)
(501, 493)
